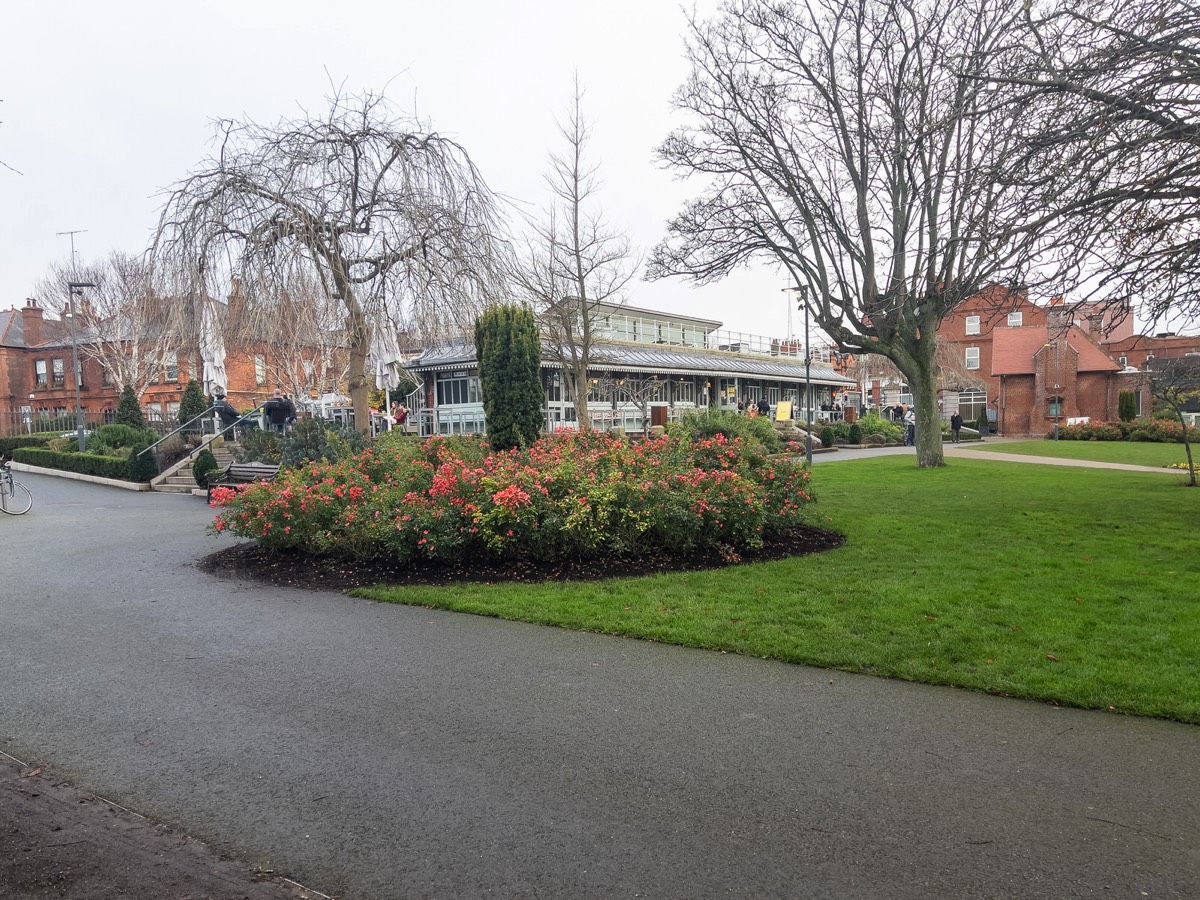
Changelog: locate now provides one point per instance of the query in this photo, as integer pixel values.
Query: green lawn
(1080, 586)
(1136, 453)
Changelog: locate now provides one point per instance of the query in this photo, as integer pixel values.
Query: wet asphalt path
(377, 751)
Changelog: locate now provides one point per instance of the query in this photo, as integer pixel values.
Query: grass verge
(1076, 586)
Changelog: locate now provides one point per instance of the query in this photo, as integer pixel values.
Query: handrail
(208, 411)
(177, 430)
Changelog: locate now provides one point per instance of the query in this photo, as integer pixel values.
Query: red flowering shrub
(570, 494)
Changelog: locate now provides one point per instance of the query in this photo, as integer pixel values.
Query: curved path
(380, 751)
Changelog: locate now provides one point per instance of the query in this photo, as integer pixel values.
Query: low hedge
(1158, 431)
(9, 444)
(84, 464)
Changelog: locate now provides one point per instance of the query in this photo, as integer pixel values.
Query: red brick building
(36, 384)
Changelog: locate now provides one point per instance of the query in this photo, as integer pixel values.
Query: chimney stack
(32, 323)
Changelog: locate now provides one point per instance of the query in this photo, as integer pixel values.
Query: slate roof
(1013, 350)
(649, 358)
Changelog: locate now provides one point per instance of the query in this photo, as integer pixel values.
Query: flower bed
(569, 495)
(1160, 431)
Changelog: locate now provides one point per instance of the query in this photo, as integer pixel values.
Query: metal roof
(652, 358)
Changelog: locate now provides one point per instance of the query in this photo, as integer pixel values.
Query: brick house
(1038, 364)
(35, 356)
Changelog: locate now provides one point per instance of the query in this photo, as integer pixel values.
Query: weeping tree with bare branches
(846, 142)
(128, 327)
(390, 219)
(575, 266)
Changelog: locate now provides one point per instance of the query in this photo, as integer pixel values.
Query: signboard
(783, 411)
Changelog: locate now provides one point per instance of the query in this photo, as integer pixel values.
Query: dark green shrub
(873, 423)
(129, 411)
(191, 405)
(827, 437)
(143, 467)
(856, 434)
(203, 466)
(757, 430)
(508, 347)
(260, 445)
(118, 435)
(1126, 406)
(314, 439)
(982, 425)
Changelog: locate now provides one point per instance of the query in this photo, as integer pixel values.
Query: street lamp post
(808, 417)
(74, 287)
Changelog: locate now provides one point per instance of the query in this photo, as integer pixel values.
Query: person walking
(955, 426)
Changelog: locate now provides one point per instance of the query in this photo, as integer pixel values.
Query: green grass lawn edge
(1073, 586)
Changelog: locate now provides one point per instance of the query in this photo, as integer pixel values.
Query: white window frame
(973, 324)
(1015, 319)
(971, 354)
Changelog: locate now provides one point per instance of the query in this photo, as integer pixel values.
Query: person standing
(278, 411)
(955, 426)
(910, 427)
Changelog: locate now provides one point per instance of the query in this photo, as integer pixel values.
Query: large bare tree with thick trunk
(130, 329)
(1110, 95)
(391, 220)
(847, 142)
(575, 266)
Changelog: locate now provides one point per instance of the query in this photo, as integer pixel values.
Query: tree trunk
(929, 424)
(1187, 449)
(579, 395)
(358, 333)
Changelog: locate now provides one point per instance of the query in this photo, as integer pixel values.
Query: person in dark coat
(764, 408)
(278, 410)
(955, 426)
(225, 411)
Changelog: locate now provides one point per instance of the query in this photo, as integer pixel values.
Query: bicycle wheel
(15, 499)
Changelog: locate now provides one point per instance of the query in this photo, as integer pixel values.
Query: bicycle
(15, 499)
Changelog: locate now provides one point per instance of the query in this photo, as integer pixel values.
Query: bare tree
(1175, 386)
(1110, 96)
(575, 266)
(122, 322)
(846, 142)
(386, 216)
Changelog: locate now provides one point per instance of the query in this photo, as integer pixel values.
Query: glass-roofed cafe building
(646, 367)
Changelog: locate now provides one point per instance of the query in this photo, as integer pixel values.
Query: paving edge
(79, 476)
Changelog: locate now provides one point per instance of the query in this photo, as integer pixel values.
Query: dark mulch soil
(294, 569)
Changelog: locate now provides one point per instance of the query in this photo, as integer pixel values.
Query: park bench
(236, 474)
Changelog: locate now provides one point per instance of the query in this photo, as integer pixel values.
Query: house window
(39, 373)
(1055, 407)
(972, 405)
(455, 390)
(1123, 360)
(1014, 319)
(105, 377)
(972, 324)
(58, 368)
(260, 369)
(173, 367)
(972, 358)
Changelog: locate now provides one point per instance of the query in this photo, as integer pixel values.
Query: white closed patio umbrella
(212, 350)
(385, 350)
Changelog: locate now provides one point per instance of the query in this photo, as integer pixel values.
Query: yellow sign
(783, 411)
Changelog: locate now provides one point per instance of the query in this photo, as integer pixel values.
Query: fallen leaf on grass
(1051, 657)
(34, 773)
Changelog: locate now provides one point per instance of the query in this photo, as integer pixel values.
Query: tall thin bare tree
(575, 266)
(130, 329)
(846, 142)
(385, 215)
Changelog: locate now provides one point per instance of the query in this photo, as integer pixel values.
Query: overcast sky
(106, 104)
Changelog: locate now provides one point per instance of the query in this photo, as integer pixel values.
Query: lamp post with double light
(808, 419)
(73, 288)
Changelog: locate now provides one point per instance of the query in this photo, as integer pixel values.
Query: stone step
(166, 488)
